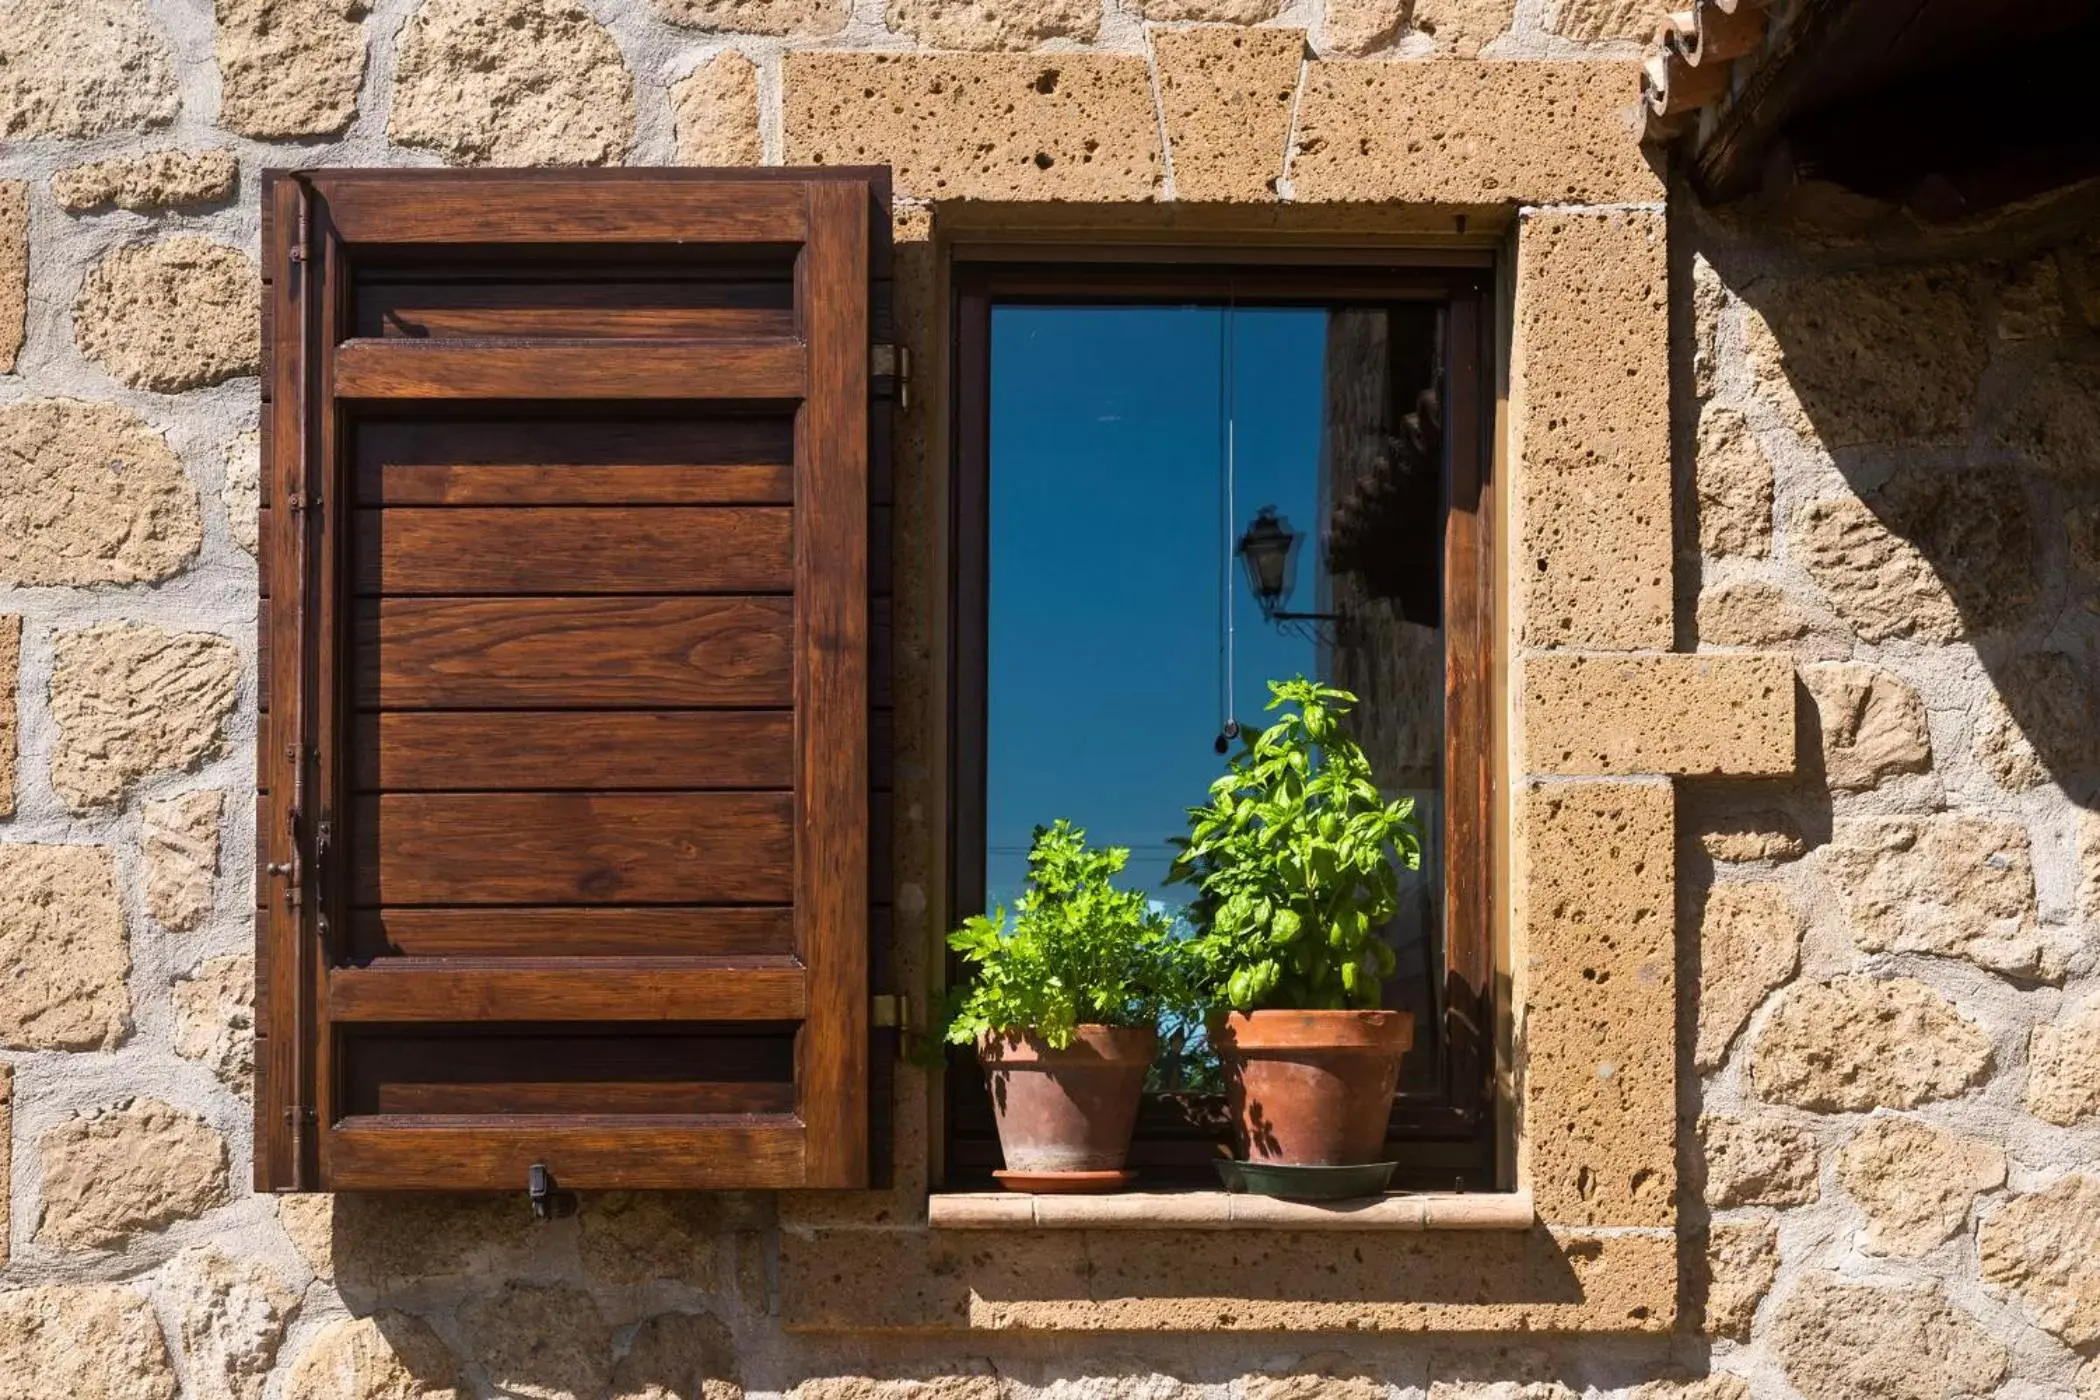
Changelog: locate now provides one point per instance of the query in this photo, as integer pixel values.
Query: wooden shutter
(566, 819)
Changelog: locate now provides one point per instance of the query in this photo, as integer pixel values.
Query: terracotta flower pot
(1312, 1088)
(1069, 1110)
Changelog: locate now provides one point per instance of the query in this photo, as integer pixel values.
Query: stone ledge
(1676, 714)
(1221, 1210)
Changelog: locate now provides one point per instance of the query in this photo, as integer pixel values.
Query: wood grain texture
(572, 848)
(605, 1098)
(449, 308)
(551, 369)
(590, 1153)
(403, 990)
(532, 459)
(572, 750)
(530, 209)
(576, 931)
(406, 550)
(574, 652)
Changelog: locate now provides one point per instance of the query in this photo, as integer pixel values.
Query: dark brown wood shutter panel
(570, 791)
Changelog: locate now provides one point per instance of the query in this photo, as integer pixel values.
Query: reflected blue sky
(1109, 545)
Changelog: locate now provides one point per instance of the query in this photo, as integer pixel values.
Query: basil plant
(1297, 858)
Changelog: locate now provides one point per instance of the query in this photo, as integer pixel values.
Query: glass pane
(1131, 447)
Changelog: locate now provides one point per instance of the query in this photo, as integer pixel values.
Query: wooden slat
(439, 461)
(477, 653)
(577, 932)
(609, 1152)
(405, 550)
(554, 750)
(587, 485)
(531, 209)
(542, 370)
(718, 1096)
(572, 848)
(567, 989)
(450, 308)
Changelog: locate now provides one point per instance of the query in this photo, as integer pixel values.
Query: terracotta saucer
(1063, 1183)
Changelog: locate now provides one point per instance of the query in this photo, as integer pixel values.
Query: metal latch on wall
(548, 1201)
(889, 373)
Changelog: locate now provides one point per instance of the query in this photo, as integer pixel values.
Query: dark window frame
(1444, 1140)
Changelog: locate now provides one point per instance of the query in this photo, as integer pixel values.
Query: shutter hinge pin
(891, 362)
(889, 1010)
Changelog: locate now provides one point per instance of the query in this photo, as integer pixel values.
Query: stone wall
(1886, 1068)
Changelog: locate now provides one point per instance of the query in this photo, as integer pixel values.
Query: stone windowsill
(1220, 1210)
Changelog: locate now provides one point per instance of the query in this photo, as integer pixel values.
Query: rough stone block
(716, 110)
(633, 1237)
(1461, 27)
(1761, 1161)
(97, 1341)
(942, 1380)
(1955, 884)
(240, 491)
(131, 700)
(679, 1356)
(988, 126)
(511, 82)
(2055, 422)
(1748, 615)
(1749, 943)
(169, 179)
(90, 494)
(2063, 1068)
(803, 18)
(215, 1019)
(1595, 935)
(1590, 436)
(7, 1144)
(1209, 11)
(177, 314)
(137, 1166)
(1707, 715)
(1873, 725)
(1915, 1183)
(289, 67)
(1841, 1341)
(1741, 1261)
(1734, 480)
(972, 24)
(2040, 723)
(1763, 834)
(14, 270)
(1355, 28)
(1226, 95)
(2044, 1250)
(1471, 133)
(385, 1356)
(1859, 1043)
(1710, 299)
(1591, 20)
(180, 838)
(10, 711)
(76, 68)
(231, 1316)
(62, 941)
(541, 1343)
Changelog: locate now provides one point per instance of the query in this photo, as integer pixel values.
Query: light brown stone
(1841, 1341)
(1857, 1043)
(387, 1356)
(2040, 723)
(1749, 943)
(1465, 133)
(1717, 1386)
(14, 270)
(2044, 1249)
(1106, 1379)
(1761, 1161)
(230, 1319)
(136, 1166)
(1461, 27)
(82, 68)
(810, 19)
(989, 25)
(1209, 11)
(2082, 526)
(1595, 920)
(1748, 615)
(1873, 725)
(2031, 302)
(1355, 28)
(633, 1237)
(170, 179)
(541, 1343)
(1741, 1261)
(1708, 715)
(241, 490)
(1226, 96)
(132, 700)
(381, 1246)
(1734, 479)
(511, 82)
(2089, 866)
(1885, 356)
(90, 494)
(62, 941)
(289, 67)
(10, 713)
(955, 1384)
(1313, 1378)
(1915, 1183)
(1460, 1390)
(173, 315)
(1590, 407)
(1933, 558)
(716, 110)
(1591, 20)
(2063, 1067)
(215, 1019)
(1710, 299)
(1758, 835)
(82, 1342)
(679, 1356)
(180, 839)
(1954, 884)
(1043, 127)
(7, 1142)
(2055, 423)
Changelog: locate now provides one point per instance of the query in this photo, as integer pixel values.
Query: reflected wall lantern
(1269, 550)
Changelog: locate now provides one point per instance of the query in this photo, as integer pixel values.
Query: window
(571, 627)
(1132, 443)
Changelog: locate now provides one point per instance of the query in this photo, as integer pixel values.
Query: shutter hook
(548, 1203)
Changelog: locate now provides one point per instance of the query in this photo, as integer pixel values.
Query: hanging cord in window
(1228, 726)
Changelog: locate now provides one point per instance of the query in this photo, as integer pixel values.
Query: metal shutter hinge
(889, 1010)
(891, 363)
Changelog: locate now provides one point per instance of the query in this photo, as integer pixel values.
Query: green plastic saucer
(1305, 1183)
